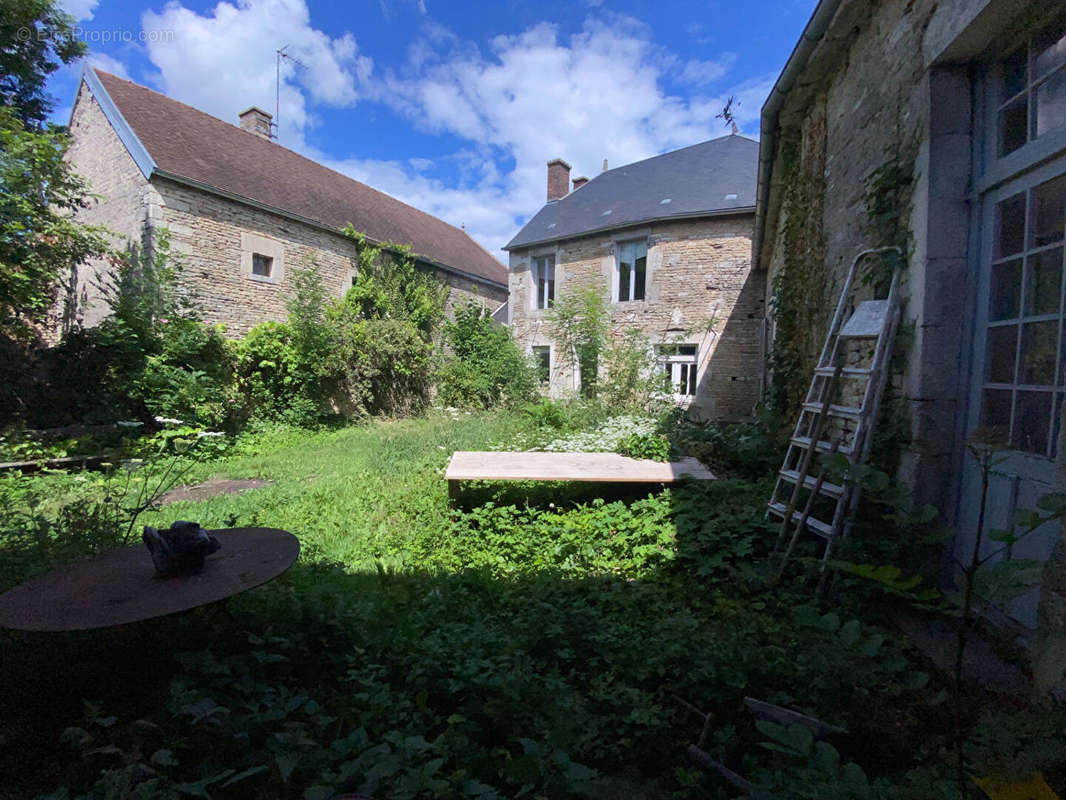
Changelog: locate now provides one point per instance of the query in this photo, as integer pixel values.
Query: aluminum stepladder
(826, 427)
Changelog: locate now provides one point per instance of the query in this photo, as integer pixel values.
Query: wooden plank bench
(467, 465)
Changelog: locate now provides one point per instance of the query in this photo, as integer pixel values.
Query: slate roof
(713, 177)
(188, 144)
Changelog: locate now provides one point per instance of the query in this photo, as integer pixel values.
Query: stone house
(668, 241)
(241, 210)
(952, 116)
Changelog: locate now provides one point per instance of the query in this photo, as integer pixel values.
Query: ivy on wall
(799, 291)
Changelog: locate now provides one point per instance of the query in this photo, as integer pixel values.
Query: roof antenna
(277, 86)
(604, 165)
(727, 114)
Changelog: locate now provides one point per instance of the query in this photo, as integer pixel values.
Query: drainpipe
(797, 62)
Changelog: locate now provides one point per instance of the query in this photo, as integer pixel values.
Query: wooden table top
(121, 586)
(467, 465)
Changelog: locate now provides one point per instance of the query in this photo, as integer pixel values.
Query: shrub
(580, 320)
(192, 375)
(484, 367)
(654, 446)
(268, 370)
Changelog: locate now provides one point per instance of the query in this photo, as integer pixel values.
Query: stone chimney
(257, 121)
(558, 179)
(579, 182)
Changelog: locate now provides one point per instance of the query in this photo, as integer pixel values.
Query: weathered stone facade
(214, 236)
(123, 195)
(901, 85)
(700, 290)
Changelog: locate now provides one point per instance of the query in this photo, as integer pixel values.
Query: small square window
(542, 358)
(262, 265)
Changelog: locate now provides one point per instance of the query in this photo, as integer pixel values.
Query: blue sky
(456, 107)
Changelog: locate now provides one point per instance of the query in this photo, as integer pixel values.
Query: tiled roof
(714, 177)
(192, 145)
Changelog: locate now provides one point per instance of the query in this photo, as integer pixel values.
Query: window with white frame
(680, 364)
(543, 281)
(542, 359)
(1031, 100)
(1022, 380)
(1025, 351)
(631, 271)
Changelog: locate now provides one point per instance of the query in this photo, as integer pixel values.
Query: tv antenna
(277, 85)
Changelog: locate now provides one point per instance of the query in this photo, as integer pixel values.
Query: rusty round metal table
(121, 586)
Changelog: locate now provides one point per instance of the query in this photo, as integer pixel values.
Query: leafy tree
(36, 36)
(39, 242)
(485, 367)
(580, 321)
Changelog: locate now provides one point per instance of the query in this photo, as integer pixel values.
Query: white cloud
(597, 94)
(701, 73)
(224, 60)
(80, 9)
(108, 64)
(600, 93)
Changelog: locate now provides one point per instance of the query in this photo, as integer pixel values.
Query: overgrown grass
(357, 495)
(501, 649)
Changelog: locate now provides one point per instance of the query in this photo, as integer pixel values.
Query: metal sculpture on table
(179, 549)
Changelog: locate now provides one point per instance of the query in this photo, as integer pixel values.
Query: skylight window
(665, 201)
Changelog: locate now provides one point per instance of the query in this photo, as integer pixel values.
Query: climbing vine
(800, 286)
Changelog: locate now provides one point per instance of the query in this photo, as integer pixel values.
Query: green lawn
(532, 649)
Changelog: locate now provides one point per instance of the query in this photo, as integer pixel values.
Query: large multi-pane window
(1025, 351)
(680, 365)
(544, 281)
(632, 270)
(1032, 88)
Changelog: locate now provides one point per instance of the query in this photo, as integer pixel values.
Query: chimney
(579, 182)
(604, 165)
(257, 121)
(558, 179)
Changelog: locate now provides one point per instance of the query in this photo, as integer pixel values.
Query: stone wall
(700, 290)
(870, 95)
(214, 237)
(902, 81)
(98, 155)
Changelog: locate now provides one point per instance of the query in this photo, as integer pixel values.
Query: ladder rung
(830, 489)
(845, 372)
(835, 411)
(816, 525)
(823, 446)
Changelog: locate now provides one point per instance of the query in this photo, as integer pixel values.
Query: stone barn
(241, 210)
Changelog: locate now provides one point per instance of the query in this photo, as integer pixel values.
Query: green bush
(655, 446)
(268, 371)
(484, 367)
(191, 377)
